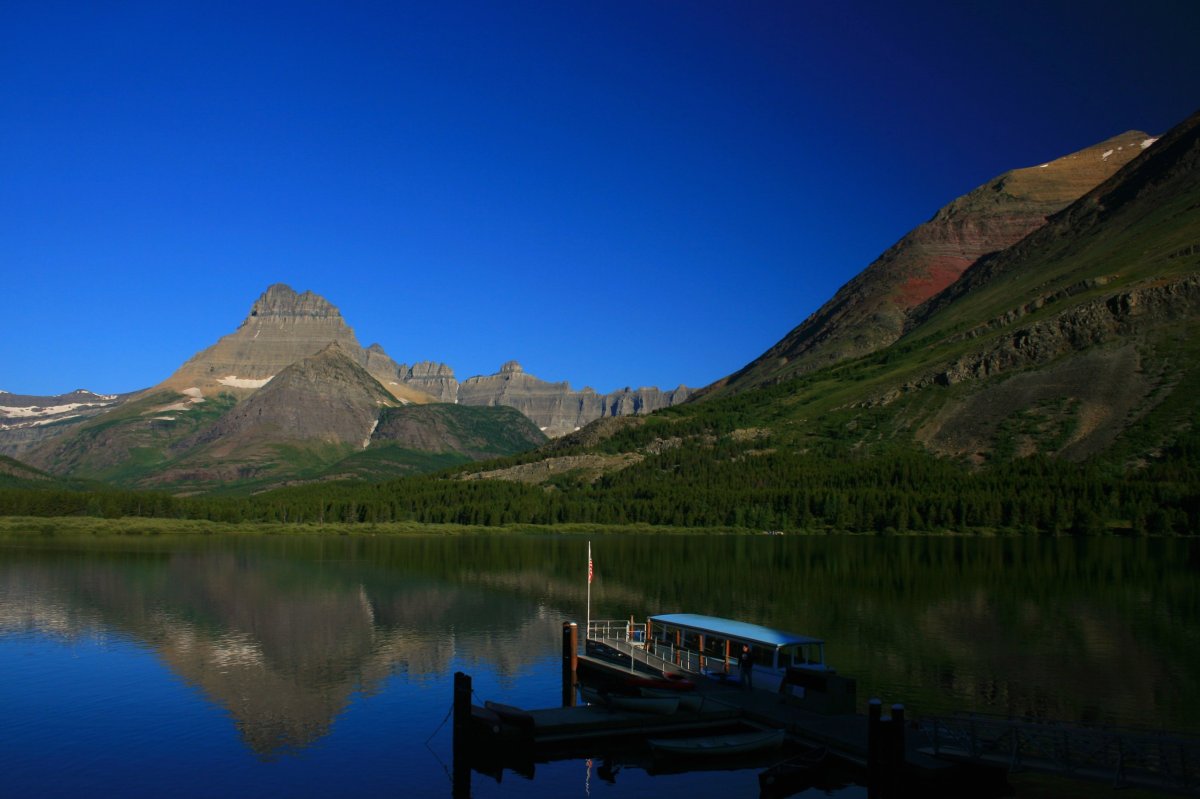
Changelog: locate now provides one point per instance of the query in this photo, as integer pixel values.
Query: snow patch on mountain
(41, 410)
(243, 382)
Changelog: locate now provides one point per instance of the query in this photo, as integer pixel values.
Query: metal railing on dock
(630, 638)
(635, 650)
(607, 630)
(1122, 757)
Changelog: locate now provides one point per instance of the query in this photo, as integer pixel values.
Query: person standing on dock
(746, 668)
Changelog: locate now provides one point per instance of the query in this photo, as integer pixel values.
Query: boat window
(799, 655)
(795, 656)
(761, 655)
(714, 646)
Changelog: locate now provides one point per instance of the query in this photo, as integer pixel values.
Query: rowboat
(659, 705)
(687, 701)
(730, 744)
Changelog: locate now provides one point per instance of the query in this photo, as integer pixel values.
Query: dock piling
(874, 761)
(462, 723)
(570, 662)
(885, 751)
(896, 736)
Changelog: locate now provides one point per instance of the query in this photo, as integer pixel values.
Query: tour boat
(682, 644)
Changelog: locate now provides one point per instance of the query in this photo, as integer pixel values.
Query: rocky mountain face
(435, 379)
(326, 400)
(1080, 341)
(325, 397)
(1086, 326)
(26, 420)
(554, 407)
(305, 424)
(246, 370)
(871, 311)
(293, 377)
(282, 328)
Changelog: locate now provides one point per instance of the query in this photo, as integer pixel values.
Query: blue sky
(612, 193)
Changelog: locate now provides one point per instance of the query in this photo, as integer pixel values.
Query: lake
(303, 666)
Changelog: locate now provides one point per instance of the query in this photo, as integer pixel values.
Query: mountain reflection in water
(332, 656)
(280, 642)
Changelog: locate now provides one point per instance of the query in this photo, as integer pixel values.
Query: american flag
(589, 566)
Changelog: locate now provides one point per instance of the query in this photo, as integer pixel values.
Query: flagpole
(587, 630)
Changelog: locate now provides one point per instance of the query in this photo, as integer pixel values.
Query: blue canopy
(733, 630)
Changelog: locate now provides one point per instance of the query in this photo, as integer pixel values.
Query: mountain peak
(281, 301)
(282, 328)
(871, 310)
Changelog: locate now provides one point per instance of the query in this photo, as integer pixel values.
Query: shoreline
(68, 527)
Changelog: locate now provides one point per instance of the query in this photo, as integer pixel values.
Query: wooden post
(462, 733)
(874, 759)
(570, 662)
(896, 754)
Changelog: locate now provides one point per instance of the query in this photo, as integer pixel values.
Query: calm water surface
(323, 667)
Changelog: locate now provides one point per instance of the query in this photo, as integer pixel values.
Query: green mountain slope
(323, 417)
(872, 310)
(1078, 344)
(15, 473)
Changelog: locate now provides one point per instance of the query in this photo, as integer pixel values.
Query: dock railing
(607, 630)
(1121, 756)
(627, 637)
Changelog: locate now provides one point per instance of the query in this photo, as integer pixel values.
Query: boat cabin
(711, 645)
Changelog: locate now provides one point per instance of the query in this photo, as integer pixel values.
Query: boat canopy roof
(734, 630)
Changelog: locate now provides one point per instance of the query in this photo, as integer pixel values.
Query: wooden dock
(528, 736)
(846, 735)
(892, 755)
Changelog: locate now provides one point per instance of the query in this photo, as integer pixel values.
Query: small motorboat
(734, 743)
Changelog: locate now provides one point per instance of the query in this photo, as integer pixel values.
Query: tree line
(723, 483)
